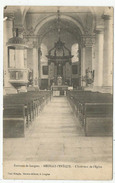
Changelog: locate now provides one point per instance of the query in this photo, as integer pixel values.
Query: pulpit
(17, 63)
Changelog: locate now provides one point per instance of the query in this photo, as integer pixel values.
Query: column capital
(99, 30)
(88, 41)
(35, 44)
(10, 16)
(29, 32)
(106, 17)
(32, 42)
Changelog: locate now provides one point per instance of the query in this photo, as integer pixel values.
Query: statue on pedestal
(89, 77)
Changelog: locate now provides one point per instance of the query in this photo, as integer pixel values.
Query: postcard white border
(45, 3)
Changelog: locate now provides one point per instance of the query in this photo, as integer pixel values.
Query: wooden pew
(98, 119)
(31, 102)
(34, 102)
(14, 123)
(21, 99)
(83, 102)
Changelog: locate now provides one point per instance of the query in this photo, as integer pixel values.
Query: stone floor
(57, 135)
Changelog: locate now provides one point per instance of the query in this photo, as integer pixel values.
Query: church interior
(57, 83)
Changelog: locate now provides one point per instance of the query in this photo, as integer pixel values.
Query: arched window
(44, 51)
(44, 61)
(75, 52)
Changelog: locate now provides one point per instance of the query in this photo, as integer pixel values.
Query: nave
(56, 135)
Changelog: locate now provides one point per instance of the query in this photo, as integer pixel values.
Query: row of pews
(20, 110)
(94, 110)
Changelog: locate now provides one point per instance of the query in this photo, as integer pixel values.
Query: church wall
(77, 68)
(30, 58)
(43, 76)
(44, 62)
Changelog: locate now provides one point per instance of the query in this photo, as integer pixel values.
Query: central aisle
(57, 135)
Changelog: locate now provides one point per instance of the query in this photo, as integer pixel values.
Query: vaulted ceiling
(69, 33)
(71, 20)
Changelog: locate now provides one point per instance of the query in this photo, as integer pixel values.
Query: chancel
(58, 58)
(58, 83)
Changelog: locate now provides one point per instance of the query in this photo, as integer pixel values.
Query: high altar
(59, 63)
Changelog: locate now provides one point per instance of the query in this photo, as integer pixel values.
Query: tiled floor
(57, 135)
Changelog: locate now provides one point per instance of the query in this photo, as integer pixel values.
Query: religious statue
(59, 80)
(89, 77)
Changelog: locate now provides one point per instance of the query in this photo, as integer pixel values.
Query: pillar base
(30, 88)
(107, 89)
(102, 89)
(88, 88)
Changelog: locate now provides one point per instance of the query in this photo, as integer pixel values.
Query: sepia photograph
(58, 92)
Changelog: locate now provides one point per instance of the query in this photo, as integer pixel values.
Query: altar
(59, 90)
(59, 64)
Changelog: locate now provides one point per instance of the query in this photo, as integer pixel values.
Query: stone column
(108, 51)
(7, 27)
(82, 65)
(86, 54)
(35, 67)
(25, 58)
(49, 66)
(98, 67)
(39, 66)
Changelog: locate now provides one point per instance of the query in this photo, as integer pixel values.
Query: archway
(70, 34)
(54, 17)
